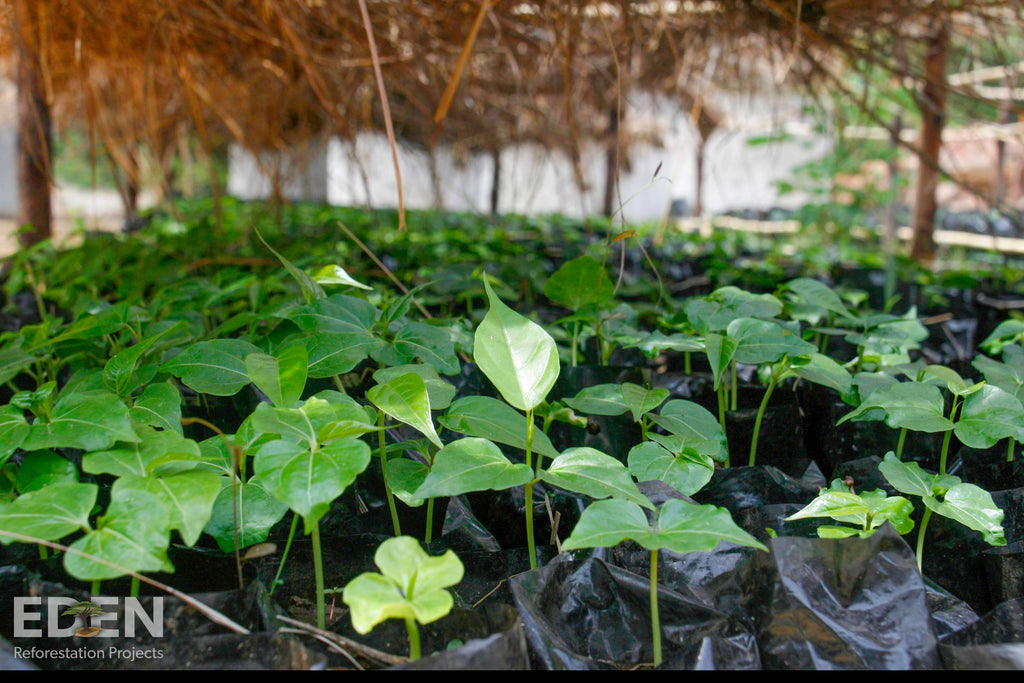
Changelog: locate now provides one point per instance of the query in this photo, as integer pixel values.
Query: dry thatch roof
(475, 73)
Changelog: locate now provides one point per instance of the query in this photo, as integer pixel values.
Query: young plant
(410, 586)
(677, 525)
(520, 359)
(582, 286)
(946, 495)
(867, 511)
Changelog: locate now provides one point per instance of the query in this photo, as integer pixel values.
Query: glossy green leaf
(44, 468)
(594, 474)
(337, 313)
(336, 275)
(762, 341)
(579, 281)
(439, 391)
(821, 369)
(405, 399)
(256, 512)
(427, 343)
(405, 476)
(687, 473)
(141, 456)
(14, 429)
(695, 426)
(973, 507)
(214, 367)
(910, 405)
(119, 372)
(515, 354)
(90, 420)
(489, 418)
(471, 464)
(335, 353)
(641, 400)
(599, 399)
(132, 536)
(281, 378)
(49, 513)
(308, 481)
(188, 497)
(988, 416)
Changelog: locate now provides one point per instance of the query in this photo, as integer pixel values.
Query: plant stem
(136, 584)
(687, 367)
(1010, 449)
(947, 435)
(899, 444)
(760, 416)
(734, 393)
(414, 638)
(284, 556)
(721, 416)
(920, 538)
(655, 616)
(575, 341)
(318, 574)
(530, 544)
(94, 588)
(430, 521)
(382, 445)
(44, 553)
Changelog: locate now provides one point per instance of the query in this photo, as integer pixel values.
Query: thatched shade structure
(475, 73)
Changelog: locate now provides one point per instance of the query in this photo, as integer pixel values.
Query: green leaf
(606, 523)
(336, 275)
(405, 399)
(282, 378)
(257, 513)
(14, 429)
(516, 354)
(159, 406)
(471, 464)
(12, 361)
(720, 351)
(308, 481)
(140, 457)
(821, 369)
(911, 405)
(1008, 376)
(337, 313)
(411, 585)
(132, 535)
(188, 497)
(763, 341)
(650, 461)
(641, 400)
(214, 367)
(595, 474)
(429, 344)
(578, 282)
(695, 426)
(44, 468)
(439, 391)
(49, 513)
(818, 294)
(599, 399)
(988, 416)
(119, 371)
(686, 528)
(405, 476)
(489, 418)
(335, 353)
(973, 507)
(90, 420)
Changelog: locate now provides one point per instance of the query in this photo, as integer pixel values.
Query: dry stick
(386, 109)
(326, 641)
(342, 641)
(387, 271)
(467, 50)
(212, 614)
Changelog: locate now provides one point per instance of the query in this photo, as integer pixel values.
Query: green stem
(430, 521)
(318, 574)
(382, 445)
(530, 544)
(655, 617)
(44, 553)
(687, 367)
(575, 341)
(284, 556)
(760, 416)
(721, 416)
(947, 435)
(414, 638)
(734, 393)
(1010, 449)
(136, 584)
(920, 538)
(94, 588)
(899, 444)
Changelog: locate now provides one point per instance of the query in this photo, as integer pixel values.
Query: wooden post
(611, 162)
(35, 144)
(933, 105)
(698, 191)
(495, 180)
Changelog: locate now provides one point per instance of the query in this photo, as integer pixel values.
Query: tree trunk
(698, 191)
(34, 129)
(933, 105)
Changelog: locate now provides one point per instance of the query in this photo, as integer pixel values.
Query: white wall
(536, 181)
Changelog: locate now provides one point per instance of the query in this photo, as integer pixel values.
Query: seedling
(867, 511)
(677, 526)
(410, 586)
(946, 495)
